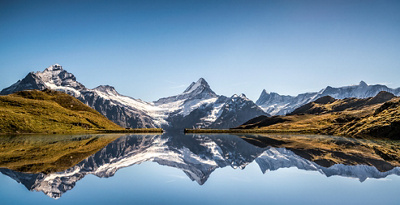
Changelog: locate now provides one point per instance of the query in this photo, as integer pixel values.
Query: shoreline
(135, 130)
(249, 131)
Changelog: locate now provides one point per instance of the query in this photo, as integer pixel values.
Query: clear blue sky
(153, 49)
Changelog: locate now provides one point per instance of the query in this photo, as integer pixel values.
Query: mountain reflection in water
(199, 155)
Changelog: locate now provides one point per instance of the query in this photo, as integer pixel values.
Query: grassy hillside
(384, 122)
(49, 112)
(371, 117)
(378, 116)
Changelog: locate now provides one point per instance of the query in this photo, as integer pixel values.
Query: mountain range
(198, 156)
(377, 117)
(197, 107)
(276, 104)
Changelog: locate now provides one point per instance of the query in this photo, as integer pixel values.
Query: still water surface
(204, 169)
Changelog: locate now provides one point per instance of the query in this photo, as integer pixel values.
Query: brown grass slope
(49, 111)
(378, 116)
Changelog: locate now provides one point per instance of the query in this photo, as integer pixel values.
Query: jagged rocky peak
(30, 82)
(276, 104)
(266, 97)
(54, 71)
(107, 89)
(196, 90)
(264, 92)
(241, 96)
(363, 84)
(200, 89)
(54, 67)
(55, 77)
(201, 84)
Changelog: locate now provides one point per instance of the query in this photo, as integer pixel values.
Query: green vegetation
(49, 112)
(53, 112)
(49, 153)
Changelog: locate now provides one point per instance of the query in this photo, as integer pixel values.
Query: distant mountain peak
(363, 84)
(240, 97)
(202, 80)
(281, 105)
(107, 89)
(54, 67)
(194, 85)
(264, 92)
(196, 90)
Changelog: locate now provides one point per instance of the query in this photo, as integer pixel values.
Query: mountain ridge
(376, 117)
(276, 104)
(198, 104)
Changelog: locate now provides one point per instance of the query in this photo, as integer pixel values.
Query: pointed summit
(363, 84)
(264, 96)
(202, 81)
(264, 92)
(30, 82)
(196, 90)
(194, 85)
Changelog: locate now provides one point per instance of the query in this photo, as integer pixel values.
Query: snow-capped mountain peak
(363, 84)
(56, 78)
(242, 97)
(195, 91)
(199, 89)
(200, 84)
(54, 67)
(107, 89)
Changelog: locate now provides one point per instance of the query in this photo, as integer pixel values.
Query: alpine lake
(174, 168)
